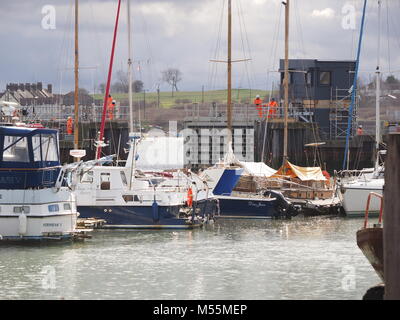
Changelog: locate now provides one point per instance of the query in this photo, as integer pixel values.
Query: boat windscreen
(45, 147)
(15, 149)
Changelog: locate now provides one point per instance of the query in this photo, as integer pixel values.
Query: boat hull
(241, 207)
(37, 227)
(370, 241)
(354, 200)
(138, 217)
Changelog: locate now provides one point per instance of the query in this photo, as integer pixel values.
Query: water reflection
(231, 259)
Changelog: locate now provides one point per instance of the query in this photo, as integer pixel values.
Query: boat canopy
(29, 157)
(289, 170)
(258, 169)
(158, 154)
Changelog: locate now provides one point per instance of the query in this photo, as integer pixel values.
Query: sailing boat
(126, 199)
(226, 173)
(305, 187)
(358, 188)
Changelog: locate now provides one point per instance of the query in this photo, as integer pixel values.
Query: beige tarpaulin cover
(303, 173)
(258, 169)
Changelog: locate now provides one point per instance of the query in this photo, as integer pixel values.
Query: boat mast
(76, 93)
(286, 83)
(378, 85)
(130, 68)
(354, 90)
(103, 116)
(132, 140)
(229, 100)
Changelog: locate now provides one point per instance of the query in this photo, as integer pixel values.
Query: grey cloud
(180, 39)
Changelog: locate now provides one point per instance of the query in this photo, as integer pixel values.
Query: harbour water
(314, 258)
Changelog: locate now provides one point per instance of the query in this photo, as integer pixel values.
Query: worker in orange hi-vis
(70, 125)
(272, 105)
(110, 107)
(258, 103)
(190, 198)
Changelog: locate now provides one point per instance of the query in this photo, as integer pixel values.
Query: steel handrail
(367, 208)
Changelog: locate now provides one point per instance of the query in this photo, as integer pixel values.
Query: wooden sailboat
(236, 204)
(307, 187)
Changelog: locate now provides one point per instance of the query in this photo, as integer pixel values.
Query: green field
(167, 101)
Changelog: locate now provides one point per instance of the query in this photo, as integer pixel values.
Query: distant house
(29, 94)
(84, 98)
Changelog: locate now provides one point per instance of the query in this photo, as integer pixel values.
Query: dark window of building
(291, 77)
(309, 79)
(325, 78)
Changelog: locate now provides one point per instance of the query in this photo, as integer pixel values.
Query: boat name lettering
(257, 205)
(52, 224)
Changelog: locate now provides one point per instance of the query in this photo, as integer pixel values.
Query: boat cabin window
(54, 208)
(128, 197)
(48, 150)
(87, 177)
(67, 206)
(123, 178)
(15, 149)
(23, 209)
(156, 181)
(105, 181)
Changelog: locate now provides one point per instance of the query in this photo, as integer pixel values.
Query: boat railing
(371, 194)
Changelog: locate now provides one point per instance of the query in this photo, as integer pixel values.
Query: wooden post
(391, 225)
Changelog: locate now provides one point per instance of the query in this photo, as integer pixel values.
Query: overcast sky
(186, 34)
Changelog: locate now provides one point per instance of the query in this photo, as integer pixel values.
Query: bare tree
(172, 77)
(137, 86)
(122, 84)
(102, 87)
(122, 81)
